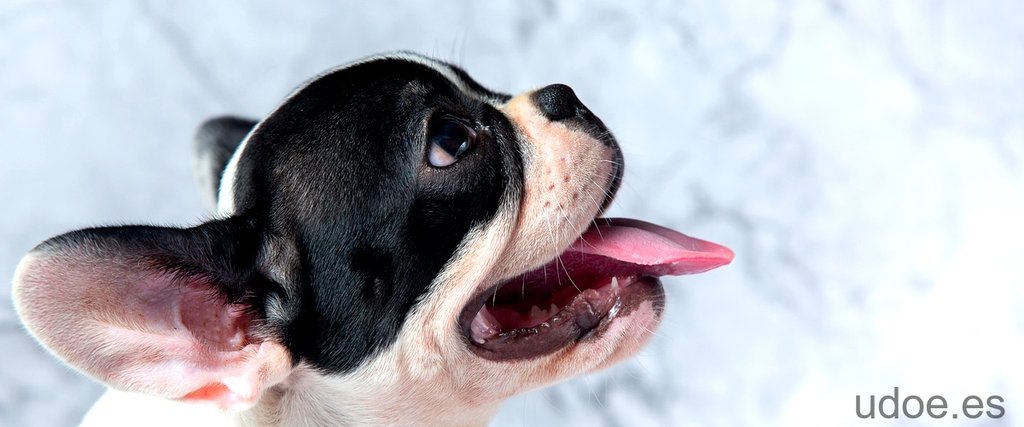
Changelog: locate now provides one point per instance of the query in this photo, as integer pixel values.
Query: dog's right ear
(215, 142)
(171, 312)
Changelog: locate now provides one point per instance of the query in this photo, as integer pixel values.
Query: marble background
(863, 159)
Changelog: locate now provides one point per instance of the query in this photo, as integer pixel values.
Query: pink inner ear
(182, 319)
(210, 321)
(145, 331)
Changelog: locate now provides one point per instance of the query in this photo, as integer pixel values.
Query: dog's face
(395, 243)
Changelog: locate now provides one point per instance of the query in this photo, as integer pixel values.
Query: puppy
(395, 245)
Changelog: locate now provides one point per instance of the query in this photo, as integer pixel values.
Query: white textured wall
(863, 159)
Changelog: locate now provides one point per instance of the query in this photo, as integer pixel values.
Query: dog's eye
(449, 139)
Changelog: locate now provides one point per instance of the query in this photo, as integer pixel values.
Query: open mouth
(609, 271)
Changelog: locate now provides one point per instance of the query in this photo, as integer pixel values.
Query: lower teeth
(486, 325)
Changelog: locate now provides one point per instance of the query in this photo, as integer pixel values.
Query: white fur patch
(122, 409)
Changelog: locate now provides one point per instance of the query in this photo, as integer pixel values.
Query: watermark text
(893, 405)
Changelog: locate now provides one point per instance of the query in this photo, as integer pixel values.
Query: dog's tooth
(536, 312)
(615, 283)
(484, 325)
(553, 309)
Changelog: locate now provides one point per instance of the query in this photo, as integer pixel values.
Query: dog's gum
(577, 319)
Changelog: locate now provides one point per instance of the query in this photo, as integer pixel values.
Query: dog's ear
(170, 312)
(215, 142)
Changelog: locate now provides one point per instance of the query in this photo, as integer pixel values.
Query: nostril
(558, 102)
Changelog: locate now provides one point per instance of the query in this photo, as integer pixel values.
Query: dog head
(394, 244)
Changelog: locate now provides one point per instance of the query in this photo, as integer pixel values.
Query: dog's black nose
(558, 102)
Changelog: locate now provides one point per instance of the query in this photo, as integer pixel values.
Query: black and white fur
(327, 290)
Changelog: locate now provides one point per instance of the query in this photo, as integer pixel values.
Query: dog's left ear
(170, 312)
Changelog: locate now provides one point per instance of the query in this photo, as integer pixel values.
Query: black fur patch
(339, 172)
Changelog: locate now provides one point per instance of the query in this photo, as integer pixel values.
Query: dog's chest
(117, 409)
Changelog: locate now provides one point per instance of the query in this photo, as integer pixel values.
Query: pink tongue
(642, 248)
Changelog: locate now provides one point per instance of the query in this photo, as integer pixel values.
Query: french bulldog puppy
(394, 244)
